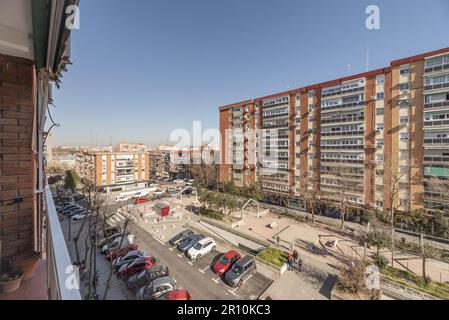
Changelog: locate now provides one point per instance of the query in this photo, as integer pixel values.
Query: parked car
(139, 280)
(78, 217)
(141, 200)
(68, 210)
(126, 259)
(120, 253)
(201, 248)
(118, 244)
(136, 266)
(109, 231)
(155, 197)
(76, 212)
(189, 242)
(156, 289)
(240, 271)
(225, 262)
(121, 199)
(109, 239)
(69, 207)
(180, 236)
(178, 181)
(180, 294)
(111, 256)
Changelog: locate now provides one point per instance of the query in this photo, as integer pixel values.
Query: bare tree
(309, 195)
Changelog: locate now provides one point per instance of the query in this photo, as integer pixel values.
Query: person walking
(290, 262)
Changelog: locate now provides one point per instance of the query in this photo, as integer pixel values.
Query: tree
(309, 195)
(380, 239)
(71, 180)
(352, 279)
(427, 252)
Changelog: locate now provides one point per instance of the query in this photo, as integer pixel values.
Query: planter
(27, 262)
(11, 285)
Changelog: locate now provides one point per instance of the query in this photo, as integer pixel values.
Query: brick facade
(17, 166)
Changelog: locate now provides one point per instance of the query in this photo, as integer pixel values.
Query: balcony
(439, 68)
(50, 279)
(437, 105)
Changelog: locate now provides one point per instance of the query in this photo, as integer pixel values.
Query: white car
(116, 244)
(78, 217)
(178, 181)
(121, 199)
(202, 248)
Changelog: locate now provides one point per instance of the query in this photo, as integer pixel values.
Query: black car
(180, 236)
(189, 242)
(142, 279)
(240, 271)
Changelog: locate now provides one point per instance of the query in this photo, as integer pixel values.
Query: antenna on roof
(367, 58)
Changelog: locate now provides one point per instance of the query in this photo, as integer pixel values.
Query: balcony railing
(58, 259)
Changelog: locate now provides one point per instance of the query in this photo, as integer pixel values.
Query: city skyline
(196, 55)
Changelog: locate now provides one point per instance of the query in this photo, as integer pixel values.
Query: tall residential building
(114, 170)
(370, 140)
(131, 147)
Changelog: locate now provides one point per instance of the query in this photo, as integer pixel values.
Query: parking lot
(197, 276)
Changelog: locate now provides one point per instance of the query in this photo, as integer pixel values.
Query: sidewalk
(310, 240)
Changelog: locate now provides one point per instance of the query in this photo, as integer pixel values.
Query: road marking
(171, 249)
(174, 280)
(216, 280)
(204, 269)
(191, 262)
(233, 291)
(159, 241)
(247, 279)
(120, 216)
(179, 255)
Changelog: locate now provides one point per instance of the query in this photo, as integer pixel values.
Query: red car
(177, 295)
(132, 247)
(136, 266)
(226, 261)
(141, 200)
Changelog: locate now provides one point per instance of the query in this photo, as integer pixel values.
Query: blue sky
(144, 67)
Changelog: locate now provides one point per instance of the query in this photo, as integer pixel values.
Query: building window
(404, 120)
(404, 136)
(380, 80)
(380, 96)
(405, 71)
(404, 87)
(311, 94)
(379, 111)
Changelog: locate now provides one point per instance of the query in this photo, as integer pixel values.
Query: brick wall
(16, 159)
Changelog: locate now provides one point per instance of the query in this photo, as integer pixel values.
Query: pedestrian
(295, 255)
(290, 262)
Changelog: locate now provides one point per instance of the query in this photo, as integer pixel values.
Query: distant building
(130, 147)
(114, 170)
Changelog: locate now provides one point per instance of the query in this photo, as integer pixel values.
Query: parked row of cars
(74, 211)
(144, 276)
(234, 268)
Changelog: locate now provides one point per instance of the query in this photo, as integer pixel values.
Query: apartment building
(371, 140)
(114, 170)
(131, 147)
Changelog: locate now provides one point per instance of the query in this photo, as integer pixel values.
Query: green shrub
(274, 256)
(211, 214)
(439, 290)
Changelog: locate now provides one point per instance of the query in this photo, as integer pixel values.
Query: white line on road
(191, 262)
(216, 280)
(233, 291)
(247, 278)
(159, 241)
(179, 255)
(171, 249)
(204, 269)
